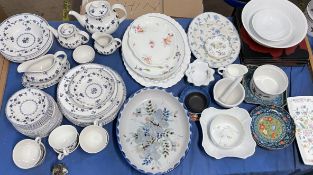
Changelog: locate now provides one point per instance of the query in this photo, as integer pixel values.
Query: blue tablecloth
(111, 161)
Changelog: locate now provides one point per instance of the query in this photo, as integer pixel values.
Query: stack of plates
(155, 50)
(33, 112)
(91, 92)
(275, 24)
(24, 37)
(214, 39)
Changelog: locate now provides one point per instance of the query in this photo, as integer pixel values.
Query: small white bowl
(234, 99)
(93, 139)
(226, 131)
(84, 54)
(199, 73)
(271, 24)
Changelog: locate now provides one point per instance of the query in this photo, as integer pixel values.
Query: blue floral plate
(153, 131)
(280, 100)
(272, 127)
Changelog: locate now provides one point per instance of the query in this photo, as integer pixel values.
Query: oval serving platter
(153, 131)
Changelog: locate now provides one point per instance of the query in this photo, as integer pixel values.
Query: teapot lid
(66, 30)
(98, 9)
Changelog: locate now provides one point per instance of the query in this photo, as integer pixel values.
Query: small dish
(271, 24)
(84, 54)
(195, 99)
(272, 127)
(226, 131)
(250, 96)
(241, 144)
(235, 98)
(199, 73)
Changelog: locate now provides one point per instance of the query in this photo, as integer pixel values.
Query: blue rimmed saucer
(272, 127)
(280, 100)
(195, 99)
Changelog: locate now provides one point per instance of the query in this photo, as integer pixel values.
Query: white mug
(233, 71)
(64, 140)
(29, 153)
(93, 138)
(268, 82)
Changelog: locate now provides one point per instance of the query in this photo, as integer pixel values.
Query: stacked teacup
(33, 112)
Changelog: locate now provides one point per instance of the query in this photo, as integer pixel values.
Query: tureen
(100, 17)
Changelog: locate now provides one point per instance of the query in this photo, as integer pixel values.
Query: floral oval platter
(214, 39)
(153, 131)
(272, 127)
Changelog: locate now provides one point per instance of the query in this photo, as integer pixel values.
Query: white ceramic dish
(234, 99)
(28, 153)
(199, 73)
(161, 149)
(84, 54)
(233, 71)
(300, 109)
(271, 24)
(24, 37)
(297, 19)
(241, 147)
(213, 39)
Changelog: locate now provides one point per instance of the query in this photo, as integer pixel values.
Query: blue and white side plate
(272, 127)
(153, 131)
(214, 39)
(280, 100)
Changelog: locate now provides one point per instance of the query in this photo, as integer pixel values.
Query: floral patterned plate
(152, 42)
(153, 131)
(214, 39)
(24, 36)
(280, 100)
(301, 110)
(272, 127)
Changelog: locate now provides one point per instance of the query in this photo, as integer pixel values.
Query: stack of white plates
(24, 37)
(155, 50)
(276, 24)
(33, 112)
(91, 92)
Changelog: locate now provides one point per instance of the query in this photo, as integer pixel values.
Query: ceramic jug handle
(85, 36)
(121, 7)
(221, 70)
(63, 154)
(61, 54)
(119, 42)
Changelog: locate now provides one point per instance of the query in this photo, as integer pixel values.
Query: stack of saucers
(275, 24)
(33, 112)
(91, 92)
(155, 50)
(24, 37)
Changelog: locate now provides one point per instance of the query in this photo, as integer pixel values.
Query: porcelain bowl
(226, 131)
(93, 139)
(199, 73)
(84, 54)
(234, 99)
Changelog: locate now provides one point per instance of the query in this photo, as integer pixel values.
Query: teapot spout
(80, 18)
(54, 31)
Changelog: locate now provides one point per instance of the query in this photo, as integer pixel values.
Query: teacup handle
(221, 70)
(121, 7)
(61, 54)
(85, 36)
(38, 140)
(119, 42)
(63, 154)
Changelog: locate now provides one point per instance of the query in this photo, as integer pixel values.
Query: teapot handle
(121, 7)
(85, 36)
(61, 54)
